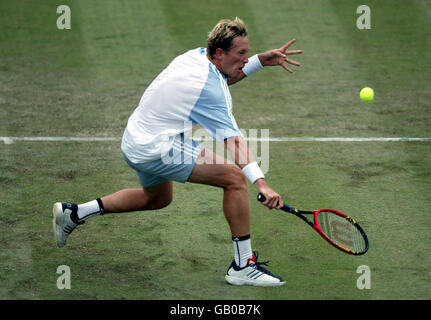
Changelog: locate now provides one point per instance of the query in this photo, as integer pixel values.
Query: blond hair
(222, 35)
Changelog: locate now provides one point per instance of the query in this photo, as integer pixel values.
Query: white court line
(339, 139)
(11, 140)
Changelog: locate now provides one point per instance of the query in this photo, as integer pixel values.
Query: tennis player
(193, 89)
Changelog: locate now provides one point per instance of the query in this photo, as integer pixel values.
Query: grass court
(86, 81)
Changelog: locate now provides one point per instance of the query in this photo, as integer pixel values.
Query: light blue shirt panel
(213, 112)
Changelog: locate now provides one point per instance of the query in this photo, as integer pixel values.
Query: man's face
(232, 62)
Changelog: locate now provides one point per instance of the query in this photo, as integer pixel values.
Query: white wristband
(252, 66)
(253, 172)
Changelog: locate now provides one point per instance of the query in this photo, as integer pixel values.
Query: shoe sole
(56, 211)
(243, 282)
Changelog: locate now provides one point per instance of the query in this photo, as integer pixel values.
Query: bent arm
(253, 65)
(231, 81)
(276, 57)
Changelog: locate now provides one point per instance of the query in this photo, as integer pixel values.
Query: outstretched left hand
(279, 57)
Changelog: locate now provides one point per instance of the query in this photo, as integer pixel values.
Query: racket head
(341, 231)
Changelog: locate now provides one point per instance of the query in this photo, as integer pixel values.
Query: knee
(161, 201)
(158, 202)
(236, 179)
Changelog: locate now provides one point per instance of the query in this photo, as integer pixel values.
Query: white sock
(242, 250)
(90, 209)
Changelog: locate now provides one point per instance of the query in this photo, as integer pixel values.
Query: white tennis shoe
(61, 222)
(253, 274)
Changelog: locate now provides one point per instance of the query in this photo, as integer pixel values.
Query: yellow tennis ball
(367, 94)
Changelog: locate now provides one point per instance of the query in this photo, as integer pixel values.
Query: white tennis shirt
(190, 91)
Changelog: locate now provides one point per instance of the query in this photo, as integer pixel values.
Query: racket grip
(261, 197)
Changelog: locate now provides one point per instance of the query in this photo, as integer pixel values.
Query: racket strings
(341, 231)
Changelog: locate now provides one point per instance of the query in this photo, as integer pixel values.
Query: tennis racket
(337, 228)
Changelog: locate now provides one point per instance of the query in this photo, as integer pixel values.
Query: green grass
(86, 82)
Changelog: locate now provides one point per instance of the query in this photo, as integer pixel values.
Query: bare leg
(211, 170)
(127, 200)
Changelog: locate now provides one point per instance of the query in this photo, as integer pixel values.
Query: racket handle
(287, 208)
(261, 197)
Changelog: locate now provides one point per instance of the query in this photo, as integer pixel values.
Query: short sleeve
(213, 109)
